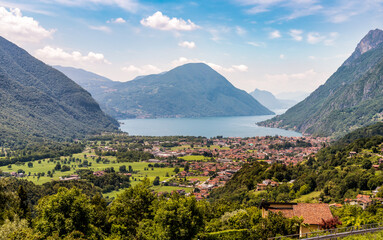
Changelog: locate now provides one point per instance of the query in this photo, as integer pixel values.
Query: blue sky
(276, 45)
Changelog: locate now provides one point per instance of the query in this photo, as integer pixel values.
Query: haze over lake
(207, 127)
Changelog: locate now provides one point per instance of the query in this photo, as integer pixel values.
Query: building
(313, 214)
(362, 200)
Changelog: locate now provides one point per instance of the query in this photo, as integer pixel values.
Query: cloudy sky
(275, 45)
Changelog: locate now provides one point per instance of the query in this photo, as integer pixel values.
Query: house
(312, 213)
(362, 200)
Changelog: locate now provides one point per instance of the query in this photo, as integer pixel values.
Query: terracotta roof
(287, 213)
(312, 213)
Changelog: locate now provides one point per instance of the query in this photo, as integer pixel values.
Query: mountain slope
(350, 98)
(38, 101)
(268, 100)
(191, 90)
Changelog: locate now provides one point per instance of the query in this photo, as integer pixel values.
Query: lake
(206, 127)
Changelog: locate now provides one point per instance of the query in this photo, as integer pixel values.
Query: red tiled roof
(313, 213)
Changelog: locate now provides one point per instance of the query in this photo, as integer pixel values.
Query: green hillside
(191, 90)
(38, 102)
(351, 97)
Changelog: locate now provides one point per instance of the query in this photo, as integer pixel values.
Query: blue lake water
(206, 127)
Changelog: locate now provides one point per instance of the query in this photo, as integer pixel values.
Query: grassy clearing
(46, 166)
(201, 178)
(170, 188)
(311, 197)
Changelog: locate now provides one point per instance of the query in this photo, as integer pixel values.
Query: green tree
(156, 181)
(175, 218)
(129, 208)
(67, 212)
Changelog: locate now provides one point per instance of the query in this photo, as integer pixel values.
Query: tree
(30, 165)
(67, 212)
(156, 181)
(176, 170)
(330, 223)
(186, 168)
(175, 218)
(23, 204)
(58, 166)
(129, 208)
(366, 164)
(122, 169)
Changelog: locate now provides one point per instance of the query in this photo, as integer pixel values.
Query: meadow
(43, 166)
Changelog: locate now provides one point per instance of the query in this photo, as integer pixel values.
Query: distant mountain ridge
(191, 90)
(351, 98)
(39, 102)
(268, 100)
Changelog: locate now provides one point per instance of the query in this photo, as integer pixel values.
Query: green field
(46, 166)
(311, 197)
(201, 178)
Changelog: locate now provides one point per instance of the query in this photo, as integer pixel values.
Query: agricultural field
(195, 158)
(41, 167)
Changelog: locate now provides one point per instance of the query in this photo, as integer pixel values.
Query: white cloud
(218, 68)
(328, 40)
(163, 22)
(129, 5)
(116, 20)
(331, 39)
(337, 12)
(314, 38)
(143, 70)
(21, 29)
(240, 31)
(57, 56)
(218, 32)
(101, 28)
(291, 77)
(275, 34)
(256, 44)
(282, 56)
(259, 6)
(241, 68)
(296, 34)
(187, 44)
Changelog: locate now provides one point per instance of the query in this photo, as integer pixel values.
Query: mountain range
(268, 100)
(190, 90)
(351, 98)
(39, 102)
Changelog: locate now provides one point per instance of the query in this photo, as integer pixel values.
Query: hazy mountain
(38, 101)
(268, 100)
(92, 82)
(296, 96)
(351, 98)
(191, 90)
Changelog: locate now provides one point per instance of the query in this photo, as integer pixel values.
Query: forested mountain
(268, 100)
(352, 97)
(191, 90)
(38, 101)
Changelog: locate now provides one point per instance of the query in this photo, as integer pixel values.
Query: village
(219, 158)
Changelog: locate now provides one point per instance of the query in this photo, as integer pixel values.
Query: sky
(274, 45)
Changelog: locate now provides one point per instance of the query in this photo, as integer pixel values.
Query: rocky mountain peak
(370, 41)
